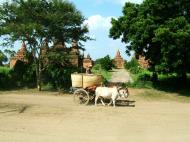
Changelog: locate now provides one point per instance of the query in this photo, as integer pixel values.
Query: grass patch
(152, 94)
(141, 80)
(140, 84)
(106, 74)
(156, 95)
(5, 70)
(167, 83)
(48, 87)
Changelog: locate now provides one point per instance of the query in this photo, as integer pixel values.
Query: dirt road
(39, 118)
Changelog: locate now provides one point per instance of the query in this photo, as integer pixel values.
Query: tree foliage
(158, 30)
(133, 66)
(105, 63)
(36, 21)
(5, 77)
(3, 58)
(58, 69)
(23, 74)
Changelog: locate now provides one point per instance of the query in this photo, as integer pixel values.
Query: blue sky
(98, 15)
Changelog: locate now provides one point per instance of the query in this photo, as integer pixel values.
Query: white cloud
(102, 45)
(97, 22)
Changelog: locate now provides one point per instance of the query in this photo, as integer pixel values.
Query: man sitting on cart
(88, 69)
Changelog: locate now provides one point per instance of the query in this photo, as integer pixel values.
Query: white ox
(111, 93)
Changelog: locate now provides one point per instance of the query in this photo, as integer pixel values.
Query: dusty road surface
(48, 118)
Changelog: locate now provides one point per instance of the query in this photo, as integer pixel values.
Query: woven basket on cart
(85, 80)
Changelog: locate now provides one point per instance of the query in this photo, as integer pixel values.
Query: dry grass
(156, 95)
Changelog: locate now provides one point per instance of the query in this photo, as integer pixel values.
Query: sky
(98, 14)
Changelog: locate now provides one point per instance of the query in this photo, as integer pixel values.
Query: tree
(9, 53)
(105, 63)
(36, 22)
(3, 58)
(23, 74)
(58, 69)
(158, 30)
(133, 66)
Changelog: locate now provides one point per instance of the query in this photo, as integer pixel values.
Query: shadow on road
(119, 103)
(12, 108)
(125, 103)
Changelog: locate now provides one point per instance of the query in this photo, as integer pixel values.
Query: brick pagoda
(20, 56)
(72, 52)
(118, 61)
(142, 61)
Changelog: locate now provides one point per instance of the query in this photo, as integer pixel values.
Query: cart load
(85, 80)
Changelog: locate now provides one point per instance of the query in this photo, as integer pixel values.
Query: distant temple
(142, 61)
(73, 54)
(118, 61)
(20, 56)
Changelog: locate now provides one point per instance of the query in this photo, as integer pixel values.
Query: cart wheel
(81, 96)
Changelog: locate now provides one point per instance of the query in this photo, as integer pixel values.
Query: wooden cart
(84, 86)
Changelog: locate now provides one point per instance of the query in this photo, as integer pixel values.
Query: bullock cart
(83, 86)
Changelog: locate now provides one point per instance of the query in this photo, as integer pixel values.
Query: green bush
(140, 84)
(3, 58)
(133, 66)
(144, 75)
(58, 76)
(98, 70)
(5, 78)
(24, 74)
(141, 80)
(5, 70)
(105, 63)
(96, 67)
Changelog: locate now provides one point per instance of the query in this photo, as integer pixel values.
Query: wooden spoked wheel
(81, 96)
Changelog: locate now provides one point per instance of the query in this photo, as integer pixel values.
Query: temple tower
(118, 61)
(142, 61)
(20, 56)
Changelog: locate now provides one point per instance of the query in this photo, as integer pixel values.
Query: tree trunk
(38, 74)
(183, 77)
(154, 77)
